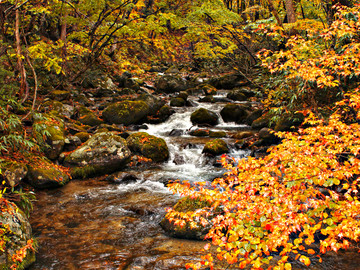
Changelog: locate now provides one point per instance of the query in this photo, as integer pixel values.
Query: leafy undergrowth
(304, 193)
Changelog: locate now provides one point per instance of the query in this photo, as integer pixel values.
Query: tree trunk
(20, 64)
(274, 11)
(290, 11)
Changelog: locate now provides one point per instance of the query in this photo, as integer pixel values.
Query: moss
(204, 116)
(199, 132)
(126, 112)
(217, 134)
(83, 172)
(177, 102)
(216, 147)
(148, 146)
(187, 204)
(83, 136)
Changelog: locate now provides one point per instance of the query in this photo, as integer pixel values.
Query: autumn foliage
(301, 199)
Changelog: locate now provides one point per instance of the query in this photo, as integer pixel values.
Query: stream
(100, 224)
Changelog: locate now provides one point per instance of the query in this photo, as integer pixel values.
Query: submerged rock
(204, 117)
(126, 112)
(103, 153)
(148, 146)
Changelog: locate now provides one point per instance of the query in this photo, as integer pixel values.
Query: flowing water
(97, 224)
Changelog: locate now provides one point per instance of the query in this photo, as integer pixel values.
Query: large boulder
(187, 230)
(216, 147)
(234, 113)
(17, 229)
(149, 146)
(44, 174)
(204, 117)
(103, 153)
(126, 112)
(170, 84)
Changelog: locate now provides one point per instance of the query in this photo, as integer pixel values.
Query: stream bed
(100, 224)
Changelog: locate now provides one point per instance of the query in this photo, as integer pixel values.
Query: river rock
(204, 117)
(59, 109)
(44, 174)
(217, 134)
(234, 113)
(54, 130)
(228, 81)
(18, 232)
(160, 116)
(288, 122)
(236, 95)
(199, 132)
(60, 95)
(177, 102)
(216, 147)
(149, 146)
(268, 137)
(88, 117)
(207, 89)
(154, 102)
(126, 112)
(14, 173)
(256, 114)
(170, 84)
(194, 232)
(261, 122)
(103, 153)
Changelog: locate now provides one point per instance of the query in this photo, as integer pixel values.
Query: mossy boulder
(54, 130)
(204, 117)
(59, 109)
(216, 147)
(161, 115)
(196, 231)
(234, 113)
(126, 112)
(199, 132)
(13, 172)
(18, 232)
(44, 174)
(261, 122)
(154, 102)
(83, 136)
(243, 135)
(237, 95)
(268, 136)
(60, 95)
(256, 114)
(228, 81)
(207, 89)
(217, 134)
(170, 84)
(149, 146)
(103, 153)
(288, 122)
(177, 102)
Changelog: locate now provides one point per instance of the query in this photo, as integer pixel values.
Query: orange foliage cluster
(305, 187)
